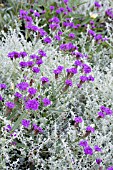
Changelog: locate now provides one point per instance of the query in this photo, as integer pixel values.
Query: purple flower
(72, 35)
(54, 26)
(36, 14)
(97, 148)
(42, 32)
(18, 95)
(33, 56)
(23, 54)
(10, 105)
(35, 69)
(78, 120)
(102, 108)
(60, 32)
(22, 13)
(72, 70)
(39, 62)
(83, 78)
(110, 168)
(101, 114)
(69, 9)
(98, 37)
(77, 26)
(52, 8)
(32, 91)
(78, 54)
(30, 63)
(37, 128)
(54, 19)
(86, 68)
(69, 82)
(22, 86)
(42, 53)
(3, 86)
(83, 143)
(78, 63)
(1, 99)
(8, 128)
(58, 11)
(28, 19)
(88, 150)
(23, 64)
(90, 129)
(57, 37)
(90, 78)
(108, 111)
(14, 54)
(34, 28)
(47, 40)
(32, 104)
(44, 80)
(97, 4)
(98, 161)
(92, 33)
(65, 1)
(109, 12)
(46, 102)
(25, 123)
(31, 11)
(58, 70)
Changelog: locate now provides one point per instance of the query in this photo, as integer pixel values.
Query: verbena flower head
(101, 114)
(72, 35)
(97, 4)
(32, 91)
(90, 129)
(23, 64)
(98, 161)
(32, 104)
(26, 123)
(83, 143)
(97, 148)
(35, 69)
(46, 102)
(69, 82)
(52, 8)
(47, 40)
(30, 63)
(88, 150)
(42, 53)
(92, 33)
(110, 168)
(22, 86)
(37, 128)
(37, 14)
(83, 78)
(10, 105)
(3, 86)
(86, 68)
(90, 78)
(23, 54)
(78, 63)
(44, 80)
(8, 128)
(18, 95)
(78, 120)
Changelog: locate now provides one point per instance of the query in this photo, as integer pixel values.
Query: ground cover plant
(56, 80)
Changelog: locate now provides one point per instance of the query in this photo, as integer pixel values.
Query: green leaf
(17, 123)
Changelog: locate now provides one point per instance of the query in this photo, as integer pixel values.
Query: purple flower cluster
(110, 168)
(97, 5)
(14, 55)
(18, 95)
(3, 86)
(10, 105)
(46, 102)
(90, 129)
(104, 111)
(109, 12)
(87, 149)
(98, 161)
(69, 82)
(35, 69)
(44, 80)
(78, 120)
(37, 128)
(32, 104)
(32, 91)
(68, 47)
(22, 86)
(86, 68)
(58, 70)
(26, 123)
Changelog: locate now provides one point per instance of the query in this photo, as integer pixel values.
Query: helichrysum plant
(56, 91)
